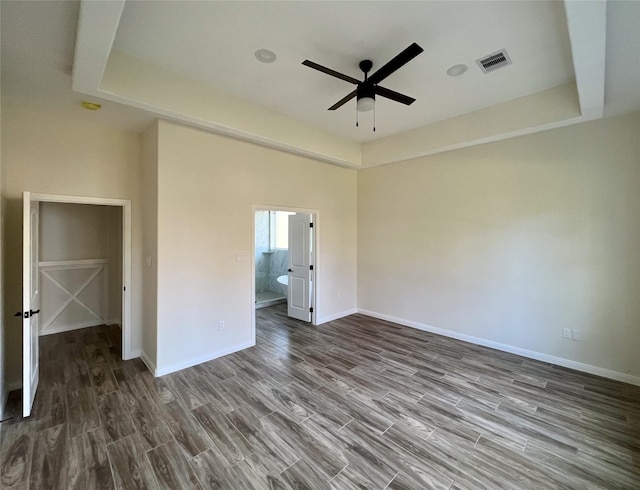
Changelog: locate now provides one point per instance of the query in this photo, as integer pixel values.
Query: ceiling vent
(494, 61)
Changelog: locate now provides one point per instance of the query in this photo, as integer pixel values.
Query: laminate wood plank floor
(355, 403)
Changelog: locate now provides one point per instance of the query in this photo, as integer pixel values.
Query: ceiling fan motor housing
(366, 89)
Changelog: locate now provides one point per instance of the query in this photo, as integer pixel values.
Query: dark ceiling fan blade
(400, 60)
(331, 72)
(390, 94)
(343, 101)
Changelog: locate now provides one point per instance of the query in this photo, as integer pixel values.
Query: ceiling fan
(367, 89)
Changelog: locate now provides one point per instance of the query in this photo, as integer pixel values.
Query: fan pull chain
(356, 115)
(374, 118)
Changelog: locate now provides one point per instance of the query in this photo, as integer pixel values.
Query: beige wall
(150, 243)
(207, 185)
(72, 231)
(512, 241)
(47, 154)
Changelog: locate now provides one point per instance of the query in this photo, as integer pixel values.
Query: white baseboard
(134, 354)
(178, 366)
(539, 356)
(69, 328)
(335, 316)
(150, 365)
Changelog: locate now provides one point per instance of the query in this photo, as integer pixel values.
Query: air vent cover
(494, 61)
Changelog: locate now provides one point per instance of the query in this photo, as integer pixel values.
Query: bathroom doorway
(285, 260)
(271, 256)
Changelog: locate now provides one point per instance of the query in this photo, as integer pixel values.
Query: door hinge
(310, 267)
(310, 225)
(311, 310)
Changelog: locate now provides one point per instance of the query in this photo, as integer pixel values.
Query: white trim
(172, 368)
(103, 201)
(71, 264)
(150, 365)
(336, 316)
(559, 361)
(69, 328)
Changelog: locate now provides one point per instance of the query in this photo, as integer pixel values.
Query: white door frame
(125, 204)
(316, 260)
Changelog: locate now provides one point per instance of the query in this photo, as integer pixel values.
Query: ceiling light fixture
(366, 104)
(366, 93)
(457, 70)
(265, 55)
(91, 106)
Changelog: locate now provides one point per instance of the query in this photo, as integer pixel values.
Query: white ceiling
(38, 41)
(213, 43)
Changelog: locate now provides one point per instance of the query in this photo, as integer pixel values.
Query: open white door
(299, 266)
(30, 302)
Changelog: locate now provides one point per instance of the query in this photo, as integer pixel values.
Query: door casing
(125, 204)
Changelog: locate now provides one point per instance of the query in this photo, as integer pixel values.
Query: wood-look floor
(356, 403)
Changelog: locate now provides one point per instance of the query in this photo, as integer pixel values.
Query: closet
(80, 266)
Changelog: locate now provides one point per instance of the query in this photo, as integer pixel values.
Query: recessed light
(457, 70)
(265, 55)
(92, 106)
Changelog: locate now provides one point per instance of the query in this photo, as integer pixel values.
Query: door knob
(31, 312)
(290, 270)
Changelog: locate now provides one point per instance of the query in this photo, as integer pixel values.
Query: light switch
(241, 257)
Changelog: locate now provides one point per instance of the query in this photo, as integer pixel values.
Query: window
(279, 229)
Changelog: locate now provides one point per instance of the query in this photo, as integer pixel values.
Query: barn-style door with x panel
(74, 294)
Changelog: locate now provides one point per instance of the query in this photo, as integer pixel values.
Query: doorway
(68, 289)
(285, 254)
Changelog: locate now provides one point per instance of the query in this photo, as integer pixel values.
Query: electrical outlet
(566, 333)
(221, 325)
(577, 335)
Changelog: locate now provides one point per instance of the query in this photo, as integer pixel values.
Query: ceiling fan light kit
(367, 89)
